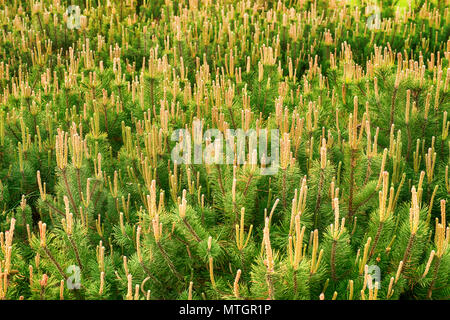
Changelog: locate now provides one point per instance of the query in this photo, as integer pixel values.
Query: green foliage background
(136, 71)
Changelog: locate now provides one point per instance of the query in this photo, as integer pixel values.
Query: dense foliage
(88, 187)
